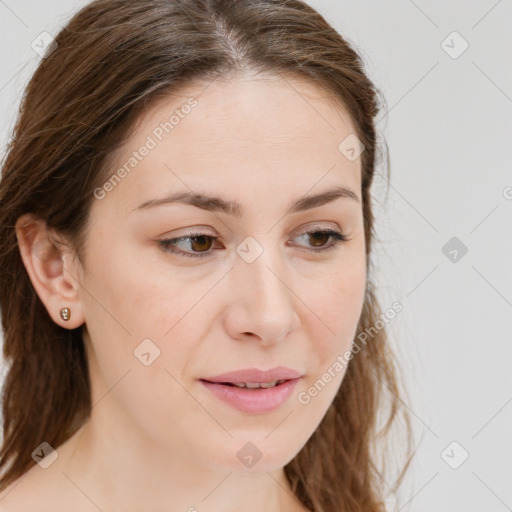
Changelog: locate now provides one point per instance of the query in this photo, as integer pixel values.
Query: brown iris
(201, 243)
(319, 236)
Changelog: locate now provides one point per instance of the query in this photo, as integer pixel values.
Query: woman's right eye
(198, 241)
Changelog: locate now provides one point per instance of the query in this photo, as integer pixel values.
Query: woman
(186, 231)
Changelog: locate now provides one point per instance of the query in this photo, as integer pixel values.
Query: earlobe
(51, 269)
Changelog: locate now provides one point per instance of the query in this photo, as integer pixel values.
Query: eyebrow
(233, 208)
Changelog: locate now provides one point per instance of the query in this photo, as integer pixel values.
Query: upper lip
(255, 375)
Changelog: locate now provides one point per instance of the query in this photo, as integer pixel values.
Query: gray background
(448, 124)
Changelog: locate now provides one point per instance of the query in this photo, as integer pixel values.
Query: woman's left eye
(201, 243)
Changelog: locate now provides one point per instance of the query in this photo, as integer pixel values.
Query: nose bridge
(267, 303)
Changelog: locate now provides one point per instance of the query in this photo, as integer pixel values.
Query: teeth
(254, 385)
(268, 384)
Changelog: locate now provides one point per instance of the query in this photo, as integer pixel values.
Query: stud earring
(65, 313)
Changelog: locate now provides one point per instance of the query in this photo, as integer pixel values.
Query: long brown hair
(112, 61)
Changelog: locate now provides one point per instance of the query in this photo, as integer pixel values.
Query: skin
(158, 439)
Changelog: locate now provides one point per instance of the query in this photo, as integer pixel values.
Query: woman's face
(251, 290)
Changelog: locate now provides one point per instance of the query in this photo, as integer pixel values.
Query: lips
(253, 375)
(253, 390)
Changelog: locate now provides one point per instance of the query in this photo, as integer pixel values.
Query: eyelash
(167, 246)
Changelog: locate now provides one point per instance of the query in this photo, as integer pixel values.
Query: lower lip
(253, 400)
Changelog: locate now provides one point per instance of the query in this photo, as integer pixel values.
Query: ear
(52, 268)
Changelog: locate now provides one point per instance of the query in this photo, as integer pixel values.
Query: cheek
(138, 309)
(137, 295)
(142, 308)
(338, 306)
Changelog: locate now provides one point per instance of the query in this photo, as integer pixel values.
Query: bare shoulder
(8, 502)
(40, 490)
(16, 496)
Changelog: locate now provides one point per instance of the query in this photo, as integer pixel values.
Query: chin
(256, 453)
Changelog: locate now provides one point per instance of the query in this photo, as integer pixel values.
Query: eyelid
(319, 227)
(192, 231)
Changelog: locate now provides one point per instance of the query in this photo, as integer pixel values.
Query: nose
(262, 303)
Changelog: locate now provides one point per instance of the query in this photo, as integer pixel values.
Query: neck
(140, 472)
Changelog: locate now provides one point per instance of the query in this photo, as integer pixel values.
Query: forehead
(250, 135)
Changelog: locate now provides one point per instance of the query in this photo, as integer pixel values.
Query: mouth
(254, 391)
(252, 385)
